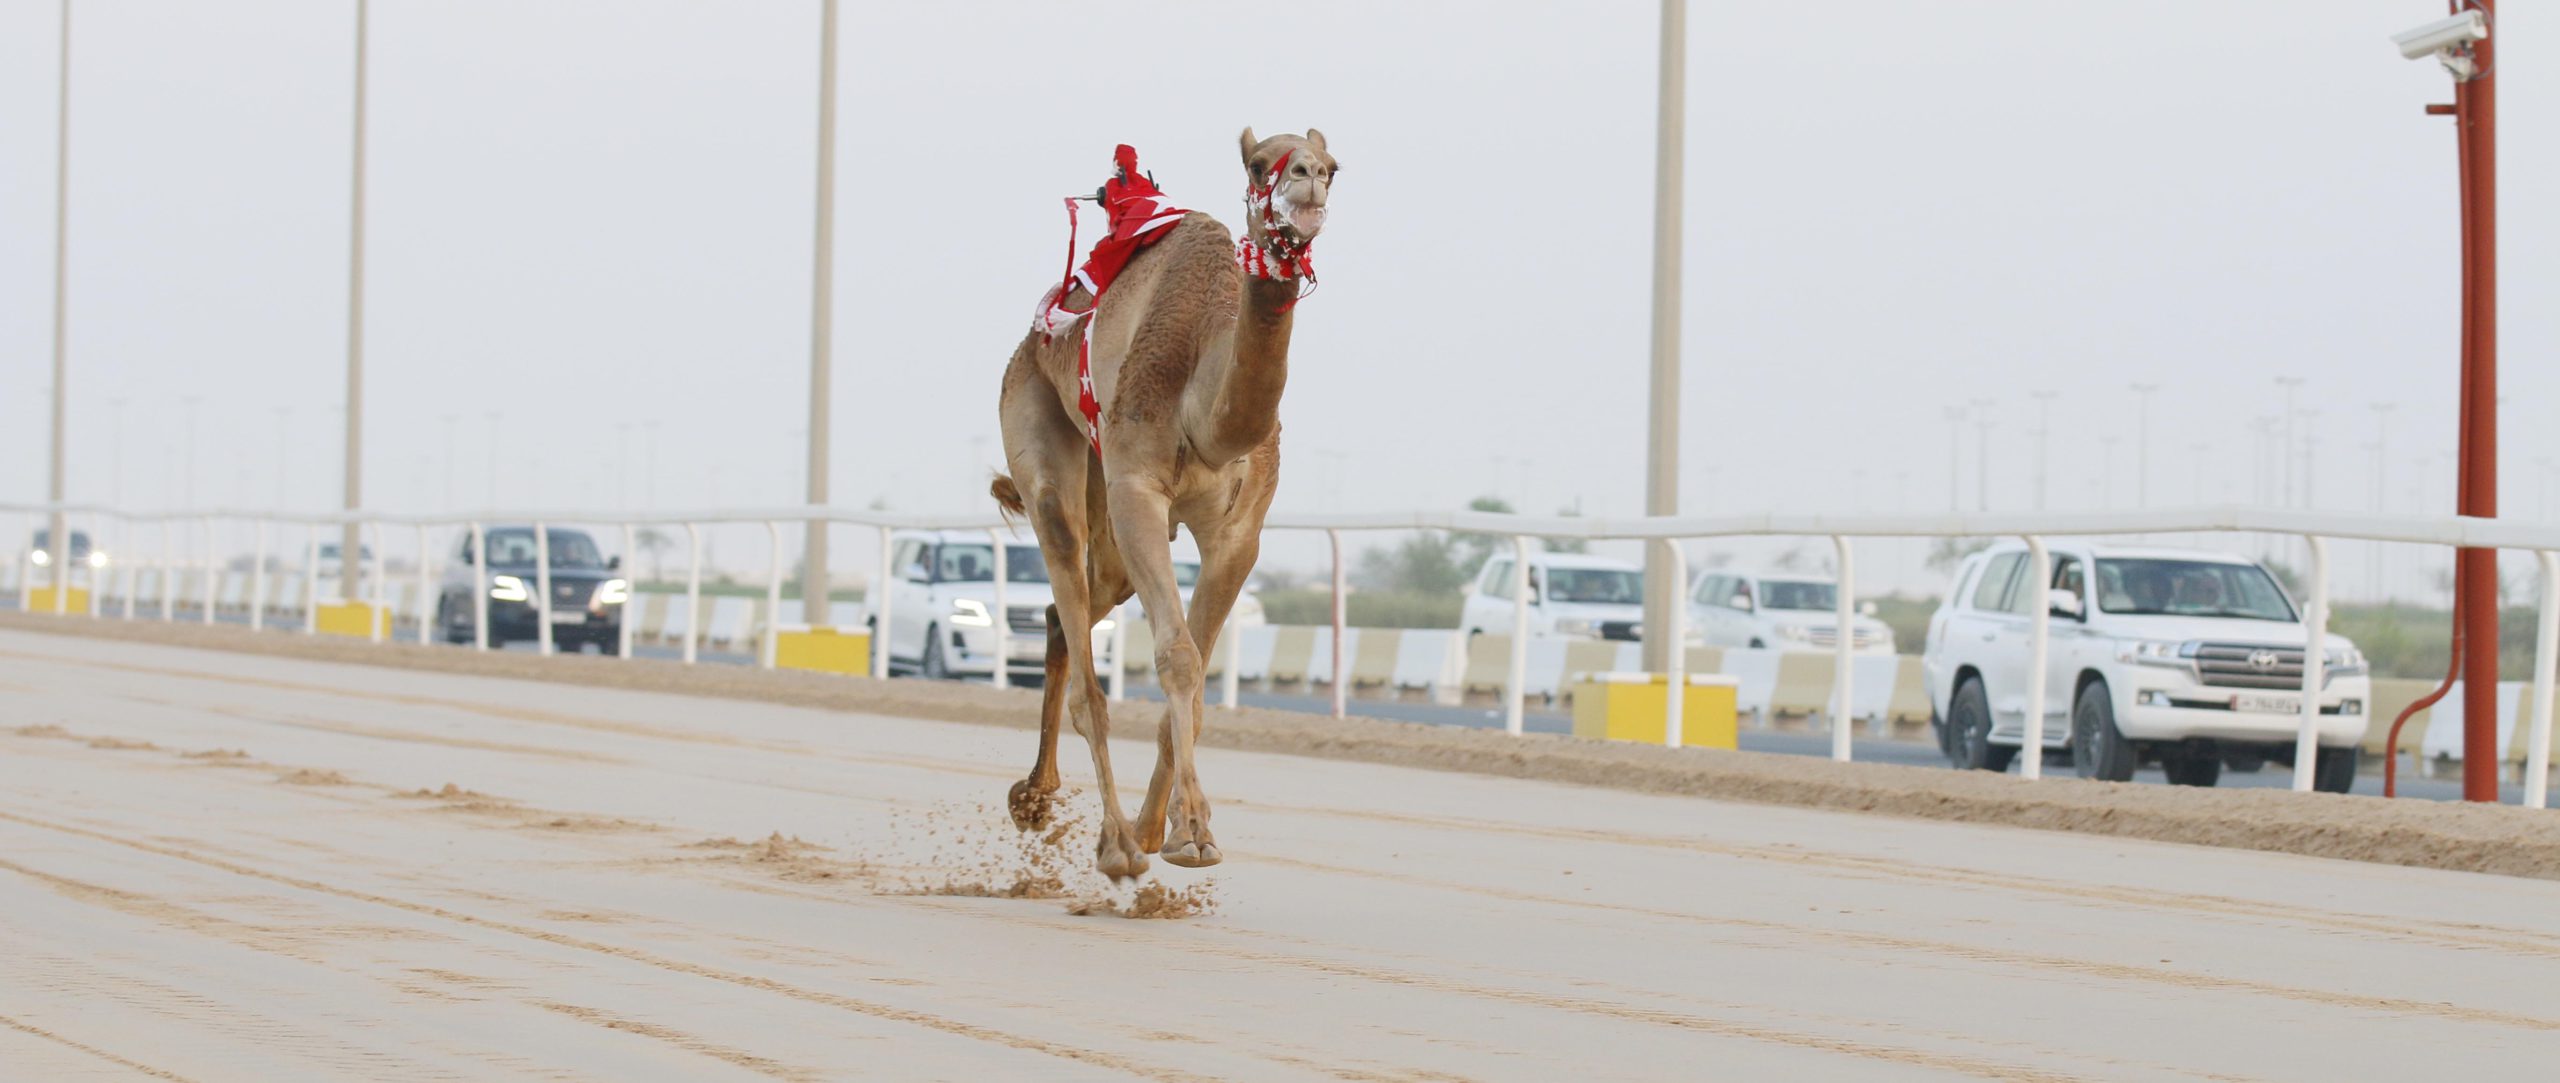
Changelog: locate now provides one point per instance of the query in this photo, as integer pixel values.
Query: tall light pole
(190, 402)
(2381, 486)
(496, 418)
(115, 451)
(1982, 454)
(59, 537)
(451, 448)
(351, 541)
(2142, 444)
(1662, 465)
(2285, 467)
(649, 463)
(813, 572)
(1955, 458)
(2310, 450)
(2044, 435)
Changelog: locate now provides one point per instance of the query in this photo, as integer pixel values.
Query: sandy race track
(220, 866)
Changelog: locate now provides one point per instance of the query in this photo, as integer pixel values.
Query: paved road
(216, 866)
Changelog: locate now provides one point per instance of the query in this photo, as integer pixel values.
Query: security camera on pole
(2461, 42)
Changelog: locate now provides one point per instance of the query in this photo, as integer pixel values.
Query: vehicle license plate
(2266, 703)
(568, 616)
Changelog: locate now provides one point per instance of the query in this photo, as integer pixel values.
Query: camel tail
(1008, 498)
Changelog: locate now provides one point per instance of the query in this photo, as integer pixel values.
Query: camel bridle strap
(1276, 256)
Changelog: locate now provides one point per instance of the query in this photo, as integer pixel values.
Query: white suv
(1570, 594)
(1789, 613)
(941, 620)
(2191, 659)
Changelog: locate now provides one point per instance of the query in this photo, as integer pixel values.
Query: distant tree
(1946, 553)
(1470, 550)
(1569, 545)
(654, 542)
(1425, 563)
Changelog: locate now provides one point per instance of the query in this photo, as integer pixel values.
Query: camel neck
(1245, 410)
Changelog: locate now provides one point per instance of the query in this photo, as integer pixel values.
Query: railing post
(168, 564)
(1675, 692)
(258, 579)
(1119, 651)
(542, 586)
(692, 592)
(630, 592)
(1002, 618)
(2039, 629)
(381, 583)
(1843, 657)
(1515, 681)
(2546, 655)
(209, 575)
(311, 578)
(876, 599)
(768, 645)
(2315, 658)
(426, 611)
(1341, 680)
(479, 587)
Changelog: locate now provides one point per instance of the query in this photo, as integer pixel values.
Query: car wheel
(1969, 731)
(2335, 770)
(2243, 761)
(2192, 769)
(1758, 645)
(2098, 749)
(933, 667)
(448, 615)
(610, 644)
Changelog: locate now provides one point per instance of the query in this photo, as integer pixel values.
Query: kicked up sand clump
(994, 860)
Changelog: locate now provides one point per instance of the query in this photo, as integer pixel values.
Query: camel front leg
(1140, 516)
(1225, 564)
(1062, 549)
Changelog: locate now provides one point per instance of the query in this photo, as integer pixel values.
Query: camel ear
(1248, 142)
(1316, 137)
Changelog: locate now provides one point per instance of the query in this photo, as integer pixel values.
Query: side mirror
(613, 563)
(2064, 603)
(1741, 602)
(1867, 608)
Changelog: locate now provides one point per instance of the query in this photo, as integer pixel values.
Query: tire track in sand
(856, 1005)
(34, 1031)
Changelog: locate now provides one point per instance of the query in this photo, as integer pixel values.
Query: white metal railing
(2314, 527)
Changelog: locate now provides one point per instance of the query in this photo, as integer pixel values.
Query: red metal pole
(2475, 103)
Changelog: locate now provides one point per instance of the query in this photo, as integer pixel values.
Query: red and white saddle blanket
(1139, 216)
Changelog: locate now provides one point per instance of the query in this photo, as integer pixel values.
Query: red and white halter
(1136, 223)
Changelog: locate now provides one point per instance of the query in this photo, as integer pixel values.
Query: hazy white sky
(594, 219)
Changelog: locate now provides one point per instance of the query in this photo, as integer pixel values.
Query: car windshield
(1598, 585)
(1186, 574)
(965, 563)
(2190, 588)
(1796, 594)
(569, 548)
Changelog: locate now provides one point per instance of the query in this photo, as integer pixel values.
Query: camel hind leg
(1032, 800)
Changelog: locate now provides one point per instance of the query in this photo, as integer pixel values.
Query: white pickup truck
(2186, 658)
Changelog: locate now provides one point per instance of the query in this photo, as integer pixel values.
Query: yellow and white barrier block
(1634, 706)
(823, 649)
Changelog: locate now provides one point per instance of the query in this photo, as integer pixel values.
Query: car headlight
(1797, 632)
(2343, 661)
(970, 613)
(41, 558)
(1576, 626)
(507, 588)
(613, 592)
(2152, 652)
(97, 559)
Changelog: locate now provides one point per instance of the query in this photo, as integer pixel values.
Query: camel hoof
(1118, 856)
(1193, 855)
(1031, 806)
(1151, 836)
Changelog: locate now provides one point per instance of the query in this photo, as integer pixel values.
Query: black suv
(587, 597)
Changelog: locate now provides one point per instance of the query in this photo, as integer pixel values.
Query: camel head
(1287, 178)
